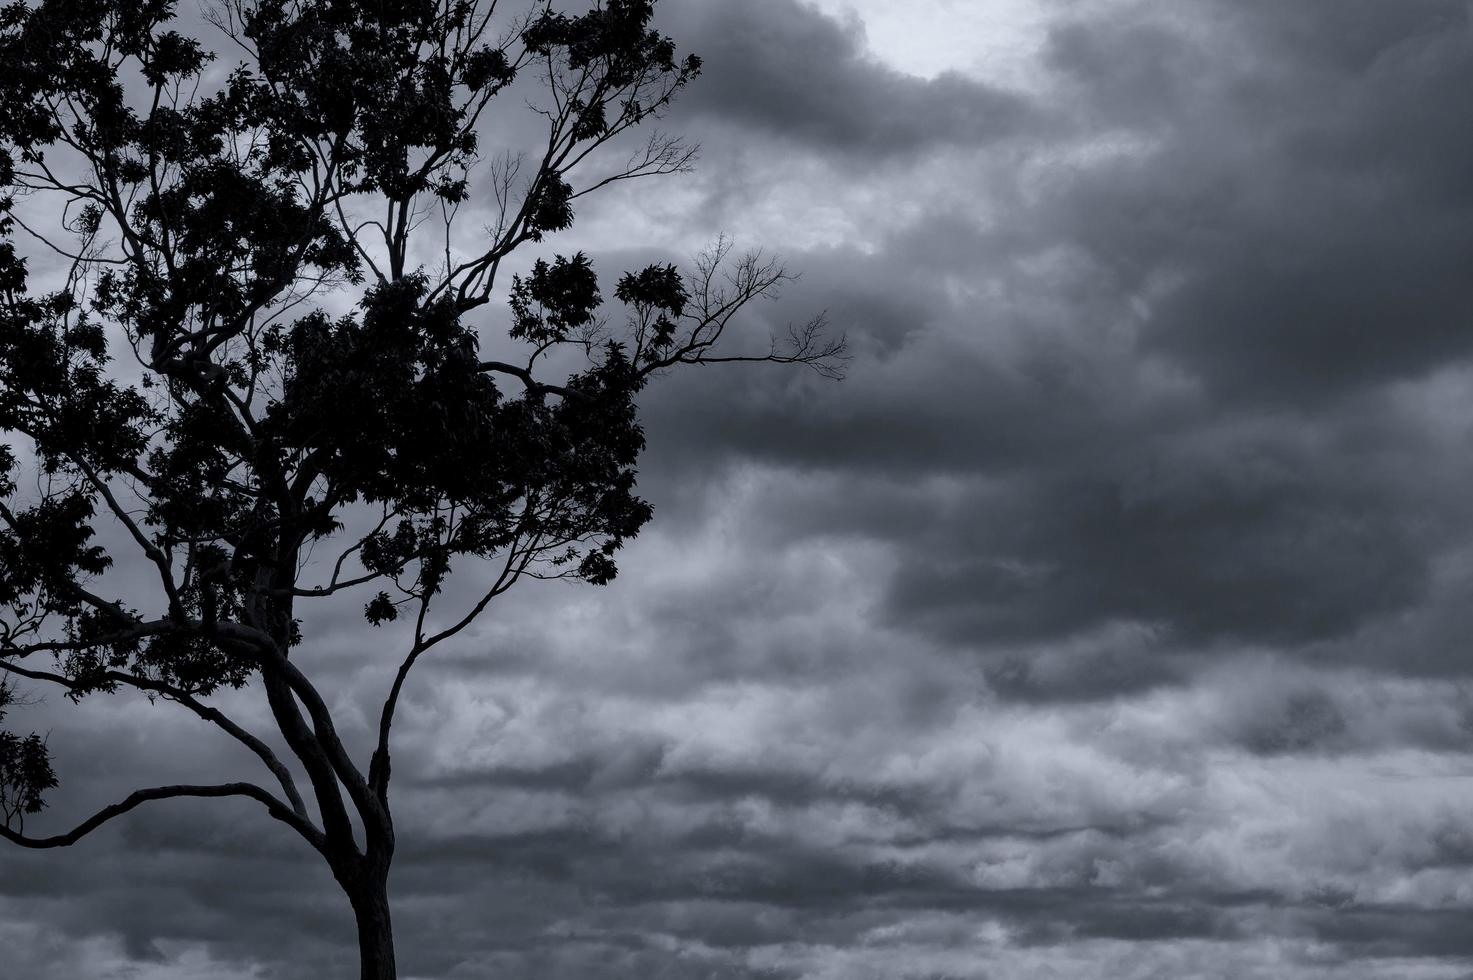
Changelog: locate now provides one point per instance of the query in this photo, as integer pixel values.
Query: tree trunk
(375, 931)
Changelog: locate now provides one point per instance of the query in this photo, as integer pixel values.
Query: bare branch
(379, 770)
(526, 377)
(273, 806)
(182, 697)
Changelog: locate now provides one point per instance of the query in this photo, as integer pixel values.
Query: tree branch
(379, 767)
(526, 377)
(273, 806)
(180, 696)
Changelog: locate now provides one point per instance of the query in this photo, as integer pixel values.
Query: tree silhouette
(195, 217)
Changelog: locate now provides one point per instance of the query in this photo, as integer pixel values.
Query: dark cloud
(1145, 424)
(782, 69)
(1303, 721)
(1269, 563)
(1308, 196)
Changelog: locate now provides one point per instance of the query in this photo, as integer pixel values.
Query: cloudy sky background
(1109, 620)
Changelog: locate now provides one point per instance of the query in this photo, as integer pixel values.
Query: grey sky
(1110, 620)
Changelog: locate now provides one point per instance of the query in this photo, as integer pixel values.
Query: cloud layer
(1109, 620)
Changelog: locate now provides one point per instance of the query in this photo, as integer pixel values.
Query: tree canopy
(259, 338)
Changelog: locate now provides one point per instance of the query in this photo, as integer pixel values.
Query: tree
(199, 219)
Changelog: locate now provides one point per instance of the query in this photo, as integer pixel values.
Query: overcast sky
(1110, 620)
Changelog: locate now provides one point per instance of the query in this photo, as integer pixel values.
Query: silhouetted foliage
(174, 398)
(25, 769)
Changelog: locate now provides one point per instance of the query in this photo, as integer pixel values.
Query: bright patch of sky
(997, 40)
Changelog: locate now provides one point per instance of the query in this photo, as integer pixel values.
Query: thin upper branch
(515, 564)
